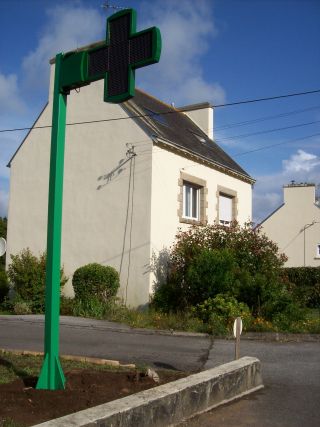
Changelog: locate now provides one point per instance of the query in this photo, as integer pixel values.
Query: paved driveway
(291, 397)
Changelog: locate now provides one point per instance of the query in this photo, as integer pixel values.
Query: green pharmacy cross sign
(114, 61)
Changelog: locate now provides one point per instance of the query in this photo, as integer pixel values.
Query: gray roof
(168, 124)
(172, 125)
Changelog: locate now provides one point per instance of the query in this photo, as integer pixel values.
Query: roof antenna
(106, 5)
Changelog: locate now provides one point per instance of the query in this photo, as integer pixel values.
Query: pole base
(51, 375)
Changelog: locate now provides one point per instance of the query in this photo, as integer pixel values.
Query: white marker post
(237, 329)
(3, 246)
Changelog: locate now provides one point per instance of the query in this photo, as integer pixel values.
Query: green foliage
(27, 275)
(95, 280)
(66, 306)
(92, 307)
(22, 307)
(304, 284)
(221, 311)
(206, 261)
(167, 298)
(209, 273)
(4, 285)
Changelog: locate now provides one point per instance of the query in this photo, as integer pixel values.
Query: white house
(295, 226)
(135, 173)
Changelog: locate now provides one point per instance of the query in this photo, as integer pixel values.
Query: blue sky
(218, 51)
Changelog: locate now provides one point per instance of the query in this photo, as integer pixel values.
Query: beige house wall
(295, 226)
(117, 210)
(106, 206)
(167, 170)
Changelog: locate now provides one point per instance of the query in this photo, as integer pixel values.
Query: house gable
(295, 225)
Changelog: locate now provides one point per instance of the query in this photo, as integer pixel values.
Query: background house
(129, 184)
(295, 225)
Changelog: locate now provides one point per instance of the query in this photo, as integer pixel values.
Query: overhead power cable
(248, 101)
(262, 119)
(245, 135)
(165, 112)
(265, 147)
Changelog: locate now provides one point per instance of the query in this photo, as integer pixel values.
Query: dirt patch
(25, 406)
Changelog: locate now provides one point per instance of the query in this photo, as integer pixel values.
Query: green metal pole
(51, 375)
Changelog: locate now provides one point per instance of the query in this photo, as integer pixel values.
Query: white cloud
(10, 100)
(187, 30)
(268, 192)
(68, 27)
(301, 162)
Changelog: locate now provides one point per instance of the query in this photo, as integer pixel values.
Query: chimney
(201, 115)
(299, 194)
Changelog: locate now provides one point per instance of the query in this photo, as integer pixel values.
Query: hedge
(304, 283)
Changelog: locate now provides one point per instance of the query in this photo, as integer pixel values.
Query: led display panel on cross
(116, 60)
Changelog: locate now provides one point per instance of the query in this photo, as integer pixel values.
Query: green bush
(304, 284)
(22, 307)
(27, 276)
(167, 298)
(221, 312)
(206, 261)
(95, 281)
(209, 273)
(4, 285)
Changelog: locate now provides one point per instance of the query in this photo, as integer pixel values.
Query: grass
(9, 422)
(14, 366)
(183, 321)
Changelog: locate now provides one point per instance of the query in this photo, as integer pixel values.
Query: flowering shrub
(206, 261)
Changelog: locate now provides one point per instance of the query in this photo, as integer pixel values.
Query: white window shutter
(225, 208)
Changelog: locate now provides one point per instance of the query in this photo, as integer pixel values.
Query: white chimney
(201, 115)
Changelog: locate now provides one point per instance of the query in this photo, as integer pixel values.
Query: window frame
(232, 194)
(194, 188)
(202, 203)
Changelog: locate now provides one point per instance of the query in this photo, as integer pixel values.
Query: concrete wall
(167, 168)
(106, 207)
(169, 404)
(290, 226)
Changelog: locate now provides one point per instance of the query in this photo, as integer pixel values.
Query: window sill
(192, 221)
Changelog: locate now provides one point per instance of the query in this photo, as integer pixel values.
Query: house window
(191, 201)
(225, 209)
(318, 251)
(226, 206)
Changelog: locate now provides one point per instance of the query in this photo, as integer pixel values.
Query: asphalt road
(291, 397)
(94, 338)
(291, 371)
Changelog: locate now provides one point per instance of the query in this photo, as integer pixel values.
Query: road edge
(171, 403)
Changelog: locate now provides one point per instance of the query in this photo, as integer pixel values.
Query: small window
(318, 251)
(192, 198)
(191, 201)
(225, 209)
